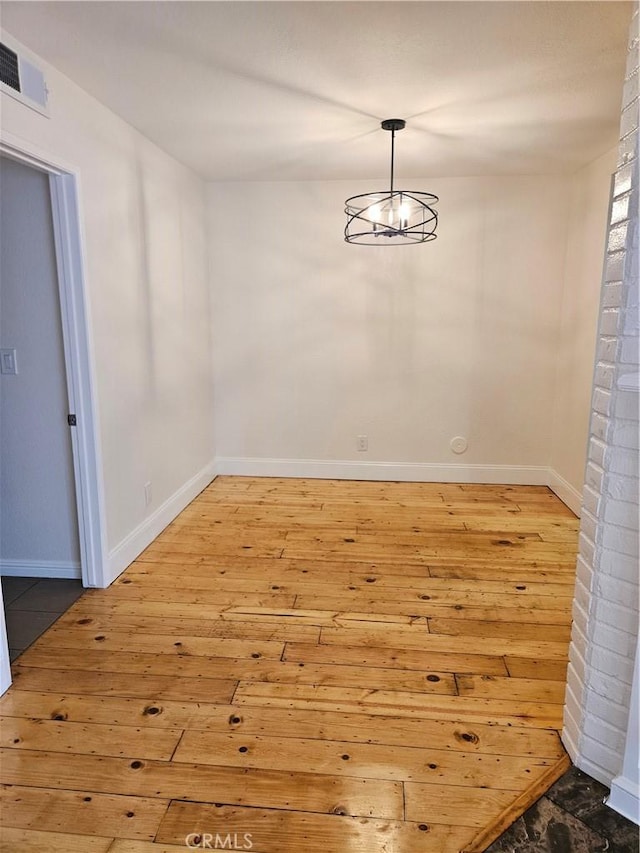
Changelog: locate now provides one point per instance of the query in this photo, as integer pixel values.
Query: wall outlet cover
(8, 362)
(362, 443)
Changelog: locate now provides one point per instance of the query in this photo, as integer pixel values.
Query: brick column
(604, 637)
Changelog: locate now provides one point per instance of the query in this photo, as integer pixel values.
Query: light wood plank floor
(303, 665)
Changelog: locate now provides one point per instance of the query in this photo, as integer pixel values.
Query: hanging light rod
(391, 217)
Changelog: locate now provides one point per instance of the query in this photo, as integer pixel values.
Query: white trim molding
(565, 491)
(416, 472)
(40, 569)
(407, 472)
(74, 310)
(625, 788)
(5, 663)
(132, 545)
(78, 350)
(625, 798)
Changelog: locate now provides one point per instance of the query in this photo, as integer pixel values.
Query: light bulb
(404, 213)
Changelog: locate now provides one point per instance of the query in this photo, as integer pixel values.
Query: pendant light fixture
(391, 217)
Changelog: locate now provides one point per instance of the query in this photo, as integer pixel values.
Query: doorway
(75, 549)
(39, 526)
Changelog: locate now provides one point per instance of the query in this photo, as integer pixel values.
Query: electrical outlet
(147, 493)
(362, 443)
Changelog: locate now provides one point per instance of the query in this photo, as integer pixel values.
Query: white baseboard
(570, 733)
(40, 569)
(625, 798)
(565, 491)
(594, 770)
(417, 472)
(132, 545)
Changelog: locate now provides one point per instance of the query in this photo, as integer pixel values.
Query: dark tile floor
(570, 818)
(32, 605)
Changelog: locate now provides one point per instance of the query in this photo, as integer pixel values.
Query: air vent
(9, 69)
(21, 79)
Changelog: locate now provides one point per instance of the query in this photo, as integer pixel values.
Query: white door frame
(78, 356)
(78, 361)
(5, 666)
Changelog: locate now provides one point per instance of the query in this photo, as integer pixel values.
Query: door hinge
(71, 420)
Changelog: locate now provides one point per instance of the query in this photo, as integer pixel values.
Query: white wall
(317, 341)
(148, 293)
(589, 191)
(38, 520)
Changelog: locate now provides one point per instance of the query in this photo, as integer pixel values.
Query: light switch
(8, 362)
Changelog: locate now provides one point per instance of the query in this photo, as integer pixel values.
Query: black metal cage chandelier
(391, 217)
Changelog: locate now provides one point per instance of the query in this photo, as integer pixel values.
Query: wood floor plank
(415, 554)
(397, 658)
(539, 586)
(266, 788)
(180, 645)
(463, 708)
(319, 618)
(278, 569)
(95, 739)
(122, 845)
(349, 523)
(139, 607)
(211, 598)
(341, 609)
(93, 623)
(201, 536)
(453, 804)
(495, 571)
(146, 663)
(372, 761)
(453, 592)
(130, 585)
(228, 547)
(278, 831)
(497, 629)
(469, 540)
(281, 568)
(96, 623)
(553, 670)
(81, 812)
(523, 522)
(325, 618)
(223, 600)
(33, 841)
(410, 638)
(519, 689)
(153, 688)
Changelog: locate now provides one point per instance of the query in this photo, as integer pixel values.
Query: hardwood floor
(303, 665)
